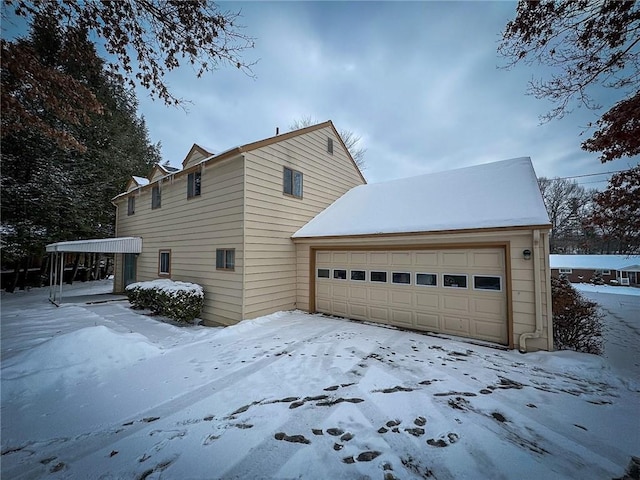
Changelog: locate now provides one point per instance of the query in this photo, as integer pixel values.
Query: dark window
(323, 273)
(429, 279)
(401, 277)
(164, 262)
(156, 199)
(378, 277)
(225, 259)
(358, 275)
(454, 281)
(193, 184)
(292, 182)
(131, 205)
(330, 145)
(340, 274)
(486, 282)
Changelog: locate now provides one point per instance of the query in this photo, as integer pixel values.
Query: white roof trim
(628, 263)
(100, 245)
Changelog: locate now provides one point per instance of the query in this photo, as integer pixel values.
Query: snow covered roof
(99, 245)
(596, 262)
(141, 181)
(499, 194)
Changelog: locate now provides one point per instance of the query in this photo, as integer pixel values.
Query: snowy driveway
(103, 392)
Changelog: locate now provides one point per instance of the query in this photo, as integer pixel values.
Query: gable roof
(235, 151)
(195, 150)
(159, 171)
(499, 194)
(135, 182)
(232, 152)
(596, 262)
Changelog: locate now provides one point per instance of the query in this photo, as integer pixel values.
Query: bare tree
(568, 205)
(351, 140)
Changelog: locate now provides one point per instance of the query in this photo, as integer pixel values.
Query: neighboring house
(288, 222)
(614, 269)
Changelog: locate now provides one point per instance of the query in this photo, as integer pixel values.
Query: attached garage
(412, 254)
(456, 291)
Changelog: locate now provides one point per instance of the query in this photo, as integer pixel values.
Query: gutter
(537, 294)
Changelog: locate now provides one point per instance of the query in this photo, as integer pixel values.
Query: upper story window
(292, 182)
(565, 270)
(156, 199)
(193, 184)
(330, 145)
(131, 205)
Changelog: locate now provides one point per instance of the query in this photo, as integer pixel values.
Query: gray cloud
(418, 81)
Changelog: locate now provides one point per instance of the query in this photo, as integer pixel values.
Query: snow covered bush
(180, 301)
(577, 324)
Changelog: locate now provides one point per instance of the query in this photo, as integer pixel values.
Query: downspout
(537, 294)
(117, 257)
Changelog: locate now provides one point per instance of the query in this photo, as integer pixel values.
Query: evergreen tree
(54, 193)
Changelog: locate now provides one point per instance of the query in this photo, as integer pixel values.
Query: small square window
(194, 181)
(358, 275)
(156, 200)
(378, 277)
(565, 270)
(292, 182)
(403, 278)
(427, 279)
(131, 205)
(487, 282)
(340, 274)
(164, 263)
(330, 145)
(323, 273)
(225, 259)
(454, 281)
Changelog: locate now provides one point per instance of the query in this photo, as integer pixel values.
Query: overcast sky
(419, 82)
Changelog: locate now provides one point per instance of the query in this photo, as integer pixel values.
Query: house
(289, 222)
(613, 269)
(225, 220)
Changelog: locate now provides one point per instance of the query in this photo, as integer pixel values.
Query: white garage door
(459, 292)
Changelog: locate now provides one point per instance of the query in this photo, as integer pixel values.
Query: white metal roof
(499, 194)
(100, 245)
(596, 262)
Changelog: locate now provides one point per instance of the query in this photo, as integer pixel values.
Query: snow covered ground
(101, 391)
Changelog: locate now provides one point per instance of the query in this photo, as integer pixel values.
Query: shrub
(596, 279)
(577, 323)
(180, 301)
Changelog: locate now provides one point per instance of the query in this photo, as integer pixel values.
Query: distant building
(614, 269)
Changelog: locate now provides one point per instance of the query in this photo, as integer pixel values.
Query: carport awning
(100, 245)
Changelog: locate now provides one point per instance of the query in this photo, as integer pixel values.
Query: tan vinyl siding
(272, 217)
(193, 229)
(521, 286)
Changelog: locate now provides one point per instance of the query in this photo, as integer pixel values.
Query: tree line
(585, 221)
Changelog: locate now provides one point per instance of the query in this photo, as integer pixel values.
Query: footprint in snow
(444, 440)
